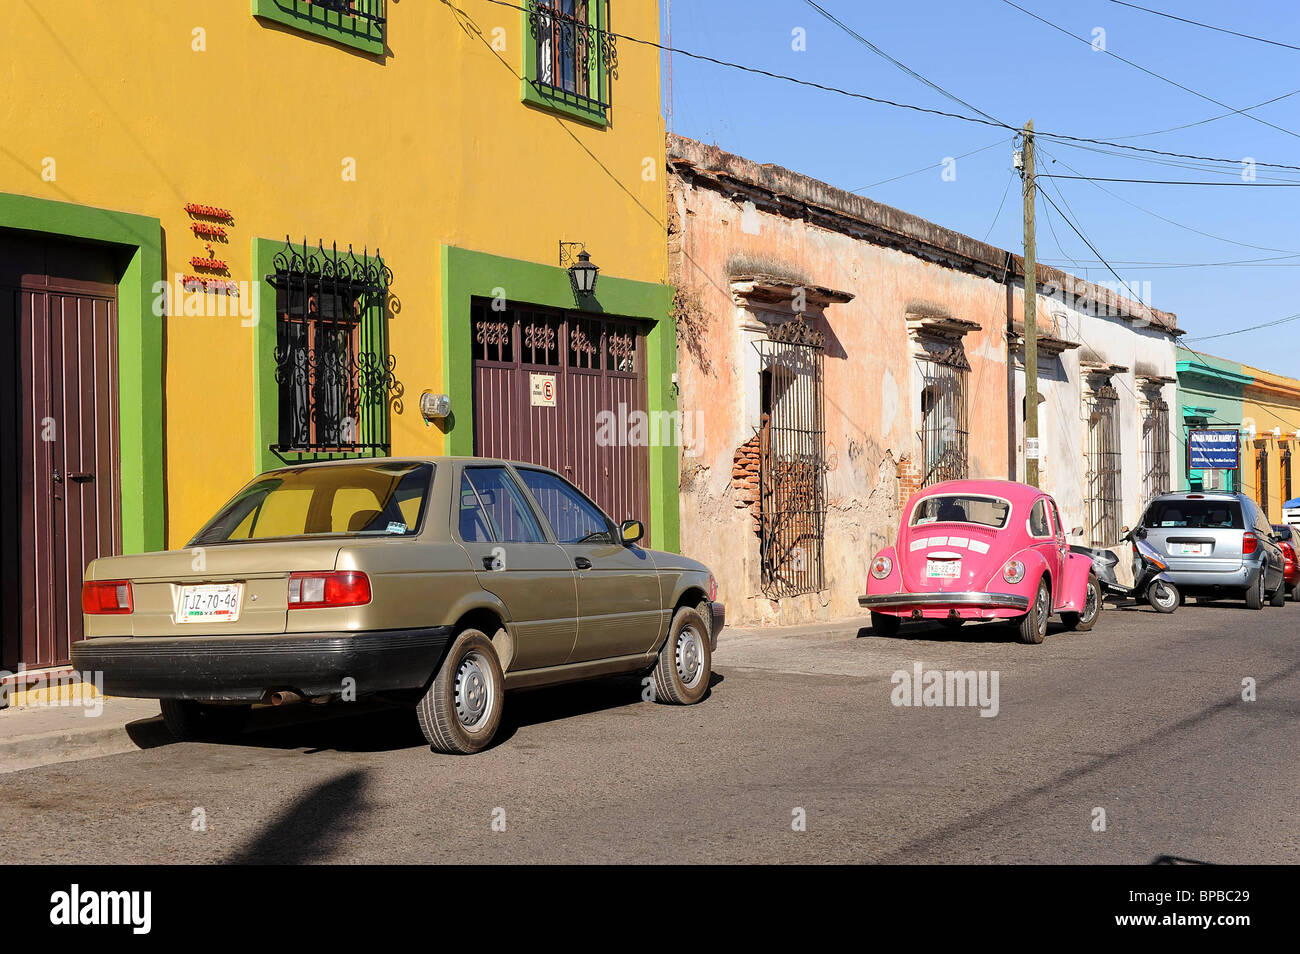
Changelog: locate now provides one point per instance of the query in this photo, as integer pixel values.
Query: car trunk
(1197, 535)
(261, 570)
(959, 549)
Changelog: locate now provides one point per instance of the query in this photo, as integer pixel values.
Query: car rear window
(962, 508)
(362, 499)
(1194, 515)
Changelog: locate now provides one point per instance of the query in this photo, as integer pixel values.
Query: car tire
(1083, 622)
(1293, 594)
(1255, 595)
(1279, 596)
(1032, 627)
(460, 711)
(685, 661)
(191, 721)
(882, 624)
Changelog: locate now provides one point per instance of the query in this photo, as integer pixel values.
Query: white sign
(1031, 448)
(542, 389)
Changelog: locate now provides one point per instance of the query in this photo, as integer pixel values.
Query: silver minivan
(1216, 544)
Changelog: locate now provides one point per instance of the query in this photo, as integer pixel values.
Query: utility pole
(1031, 313)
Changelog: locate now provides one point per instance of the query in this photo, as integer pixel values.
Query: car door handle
(582, 563)
(81, 478)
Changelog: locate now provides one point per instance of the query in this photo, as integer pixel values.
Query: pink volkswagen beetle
(982, 549)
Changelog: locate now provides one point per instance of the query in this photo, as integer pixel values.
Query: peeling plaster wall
(871, 392)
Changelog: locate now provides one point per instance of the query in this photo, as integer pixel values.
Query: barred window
(1261, 474)
(332, 367)
(1155, 450)
(360, 24)
(944, 431)
(1104, 467)
(572, 57)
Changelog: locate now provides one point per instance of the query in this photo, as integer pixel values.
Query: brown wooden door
(598, 365)
(59, 498)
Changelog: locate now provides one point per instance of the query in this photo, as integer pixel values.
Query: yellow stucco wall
(114, 105)
(1271, 403)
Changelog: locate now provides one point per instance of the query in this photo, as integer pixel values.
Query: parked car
(1216, 544)
(1287, 540)
(436, 583)
(982, 550)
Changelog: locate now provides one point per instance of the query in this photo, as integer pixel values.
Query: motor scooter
(1151, 583)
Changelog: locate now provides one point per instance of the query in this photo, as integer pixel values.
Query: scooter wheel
(1164, 597)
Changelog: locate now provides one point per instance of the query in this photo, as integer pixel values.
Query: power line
(1208, 26)
(1242, 331)
(1210, 119)
(997, 215)
(1185, 182)
(811, 84)
(1149, 72)
(936, 165)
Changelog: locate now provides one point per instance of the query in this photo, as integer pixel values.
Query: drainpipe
(1012, 457)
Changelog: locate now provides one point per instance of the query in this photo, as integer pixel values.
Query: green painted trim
(266, 390)
(365, 35)
(467, 274)
(139, 348)
(534, 95)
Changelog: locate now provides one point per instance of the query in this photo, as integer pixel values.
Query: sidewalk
(36, 735)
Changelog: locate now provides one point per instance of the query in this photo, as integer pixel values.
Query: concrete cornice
(793, 195)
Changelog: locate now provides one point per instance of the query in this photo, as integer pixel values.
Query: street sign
(1213, 449)
(542, 389)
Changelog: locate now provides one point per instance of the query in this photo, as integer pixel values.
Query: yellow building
(244, 232)
(1270, 417)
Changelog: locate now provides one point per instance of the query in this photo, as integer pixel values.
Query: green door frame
(468, 274)
(140, 310)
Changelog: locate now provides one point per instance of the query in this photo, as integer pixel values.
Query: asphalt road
(1143, 717)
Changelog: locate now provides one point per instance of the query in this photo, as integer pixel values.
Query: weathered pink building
(837, 355)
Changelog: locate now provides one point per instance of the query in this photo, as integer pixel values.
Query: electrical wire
(1185, 182)
(1208, 26)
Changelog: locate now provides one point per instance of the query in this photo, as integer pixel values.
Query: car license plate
(210, 603)
(1191, 549)
(943, 569)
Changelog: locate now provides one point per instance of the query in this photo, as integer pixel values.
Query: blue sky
(1013, 68)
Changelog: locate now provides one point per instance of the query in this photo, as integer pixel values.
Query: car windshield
(1194, 515)
(362, 499)
(962, 508)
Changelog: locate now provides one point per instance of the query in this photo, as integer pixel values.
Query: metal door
(592, 425)
(59, 499)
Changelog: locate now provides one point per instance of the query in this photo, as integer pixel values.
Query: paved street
(1142, 717)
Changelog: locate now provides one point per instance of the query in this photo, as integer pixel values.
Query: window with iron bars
(1286, 474)
(332, 367)
(570, 57)
(1155, 450)
(945, 432)
(1105, 461)
(356, 23)
(1261, 474)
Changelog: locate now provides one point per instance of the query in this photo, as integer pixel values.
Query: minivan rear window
(361, 499)
(1194, 515)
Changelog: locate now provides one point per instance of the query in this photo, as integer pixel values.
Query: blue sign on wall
(1210, 449)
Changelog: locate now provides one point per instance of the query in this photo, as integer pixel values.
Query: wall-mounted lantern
(582, 270)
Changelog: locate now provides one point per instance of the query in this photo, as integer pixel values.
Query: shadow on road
(992, 631)
(309, 829)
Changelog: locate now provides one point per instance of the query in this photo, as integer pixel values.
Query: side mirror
(630, 531)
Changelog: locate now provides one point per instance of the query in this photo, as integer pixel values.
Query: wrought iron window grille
(1155, 450)
(577, 56)
(1105, 461)
(365, 18)
(945, 427)
(332, 366)
(792, 459)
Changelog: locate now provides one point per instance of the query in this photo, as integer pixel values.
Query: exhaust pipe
(284, 697)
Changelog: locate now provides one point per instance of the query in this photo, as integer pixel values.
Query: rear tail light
(882, 567)
(1249, 542)
(339, 588)
(106, 597)
(1014, 571)
(713, 589)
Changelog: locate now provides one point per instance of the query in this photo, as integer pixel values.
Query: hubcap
(690, 658)
(1091, 602)
(1041, 609)
(474, 691)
